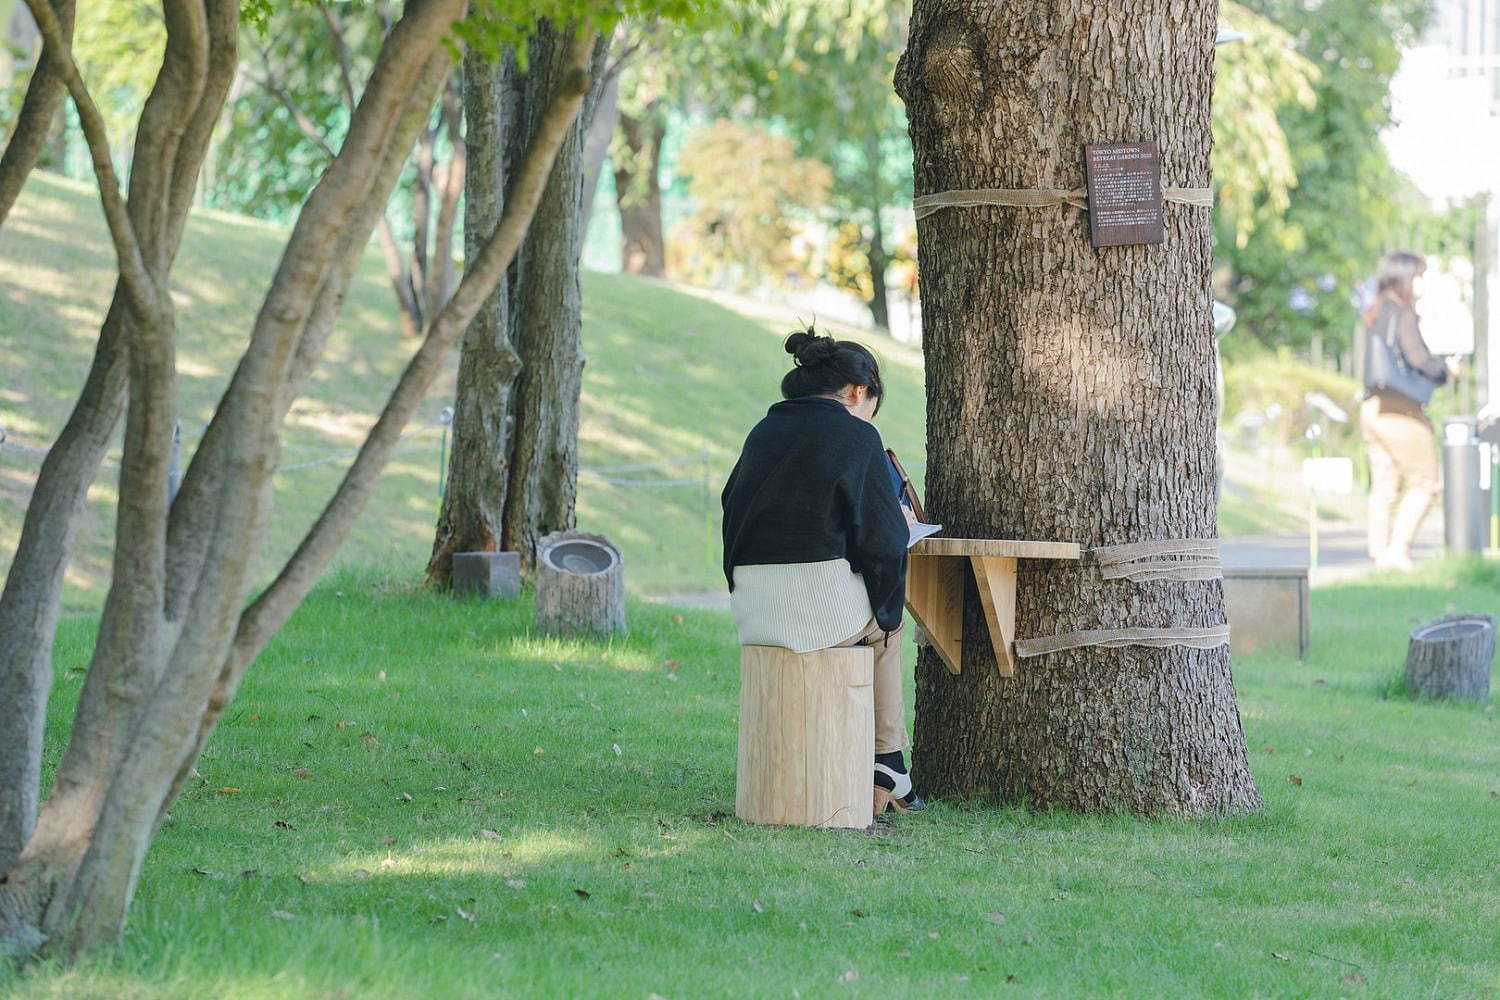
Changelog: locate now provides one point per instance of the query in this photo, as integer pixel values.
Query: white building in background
(1445, 100)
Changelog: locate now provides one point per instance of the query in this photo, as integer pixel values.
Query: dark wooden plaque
(1124, 187)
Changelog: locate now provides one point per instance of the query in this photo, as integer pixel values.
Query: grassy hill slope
(672, 383)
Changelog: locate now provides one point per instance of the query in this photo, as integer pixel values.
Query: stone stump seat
(807, 737)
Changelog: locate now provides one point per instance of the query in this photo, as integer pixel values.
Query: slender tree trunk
(471, 519)
(512, 477)
(638, 193)
(880, 309)
(44, 98)
(1070, 397)
(546, 314)
(596, 145)
(32, 598)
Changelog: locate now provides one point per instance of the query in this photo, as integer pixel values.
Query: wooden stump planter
(1451, 658)
(807, 737)
(580, 584)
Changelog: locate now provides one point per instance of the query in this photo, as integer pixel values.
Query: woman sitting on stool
(815, 535)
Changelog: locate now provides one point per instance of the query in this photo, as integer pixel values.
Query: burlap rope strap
(1197, 638)
(1171, 559)
(1042, 198)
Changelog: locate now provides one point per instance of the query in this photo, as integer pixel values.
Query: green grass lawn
(672, 384)
(455, 808)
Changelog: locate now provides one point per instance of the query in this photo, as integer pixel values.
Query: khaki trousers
(1403, 471)
(890, 706)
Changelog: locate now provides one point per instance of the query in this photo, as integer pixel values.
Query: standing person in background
(1400, 376)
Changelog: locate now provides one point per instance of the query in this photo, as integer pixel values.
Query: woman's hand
(910, 515)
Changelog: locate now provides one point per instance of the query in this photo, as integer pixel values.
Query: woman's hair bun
(809, 348)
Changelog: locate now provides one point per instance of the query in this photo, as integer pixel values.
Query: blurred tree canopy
(1292, 252)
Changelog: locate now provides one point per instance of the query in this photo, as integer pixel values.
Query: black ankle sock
(893, 760)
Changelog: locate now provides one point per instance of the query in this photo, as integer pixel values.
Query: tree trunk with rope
(1070, 398)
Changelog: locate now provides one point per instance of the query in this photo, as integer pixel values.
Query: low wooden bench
(935, 590)
(1268, 610)
(807, 737)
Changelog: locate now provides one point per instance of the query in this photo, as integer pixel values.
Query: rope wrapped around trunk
(927, 204)
(1170, 559)
(1197, 638)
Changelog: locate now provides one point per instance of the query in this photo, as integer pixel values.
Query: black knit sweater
(812, 484)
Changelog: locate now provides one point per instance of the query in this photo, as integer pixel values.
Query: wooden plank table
(935, 590)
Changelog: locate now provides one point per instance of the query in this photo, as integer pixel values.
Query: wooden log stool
(807, 737)
(1451, 657)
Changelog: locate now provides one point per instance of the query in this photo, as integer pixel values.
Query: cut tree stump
(807, 737)
(580, 586)
(1451, 657)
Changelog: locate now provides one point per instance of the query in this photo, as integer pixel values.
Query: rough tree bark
(1070, 397)
(546, 321)
(638, 193)
(514, 468)
(471, 518)
(176, 636)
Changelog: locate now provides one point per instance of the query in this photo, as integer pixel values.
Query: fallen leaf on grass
(342, 724)
(538, 752)
(672, 664)
(1270, 749)
(387, 840)
(1353, 978)
(380, 676)
(283, 824)
(1009, 978)
(516, 883)
(852, 976)
(676, 619)
(904, 953)
(301, 772)
(757, 906)
(466, 914)
(933, 935)
(227, 790)
(369, 740)
(282, 915)
(404, 797)
(254, 716)
(361, 873)
(995, 917)
(489, 834)
(205, 871)
(1294, 780)
(582, 893)
(1025, 938)
(618, 751)
(1279, 956)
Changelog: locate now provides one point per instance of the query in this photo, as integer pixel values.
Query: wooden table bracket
(935, 590)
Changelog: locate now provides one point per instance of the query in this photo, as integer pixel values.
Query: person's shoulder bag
(1386, 367)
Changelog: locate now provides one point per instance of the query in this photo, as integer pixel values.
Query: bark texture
(513, 473)
(471, 518)
(638, 193)
(1070, 397)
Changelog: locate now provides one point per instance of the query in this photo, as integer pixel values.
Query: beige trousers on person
(890, 706)
(1403, 472)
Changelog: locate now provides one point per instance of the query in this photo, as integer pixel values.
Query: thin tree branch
(300, 118)
(341, 50)
(44, 95)
(132, 263)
